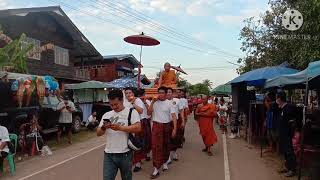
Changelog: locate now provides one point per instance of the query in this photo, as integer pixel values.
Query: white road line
(226, 158)
(62, 162)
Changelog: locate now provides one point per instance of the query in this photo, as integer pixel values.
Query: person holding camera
(115, 124)
(66, 108)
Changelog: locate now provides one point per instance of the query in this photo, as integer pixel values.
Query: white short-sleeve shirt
(178, 106)
(184, 103)
(4, 137)
(117, 141)
(162, 111)
(65, 115)
(139, 103)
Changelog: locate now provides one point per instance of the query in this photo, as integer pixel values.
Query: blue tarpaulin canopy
(297, 79)
(128, 81)
(259, 76)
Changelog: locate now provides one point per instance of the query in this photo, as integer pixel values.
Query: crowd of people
(283, 127)
(160, 121)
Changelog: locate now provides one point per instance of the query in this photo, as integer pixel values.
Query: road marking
(226, 158)
(62, 162)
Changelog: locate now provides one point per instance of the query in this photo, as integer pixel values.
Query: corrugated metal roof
(82, 46)
(121, 57)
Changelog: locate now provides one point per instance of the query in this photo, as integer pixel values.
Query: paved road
(84, 162)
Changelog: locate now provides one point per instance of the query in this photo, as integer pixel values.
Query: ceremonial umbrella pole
(141, 40)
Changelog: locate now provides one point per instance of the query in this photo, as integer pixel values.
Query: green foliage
(199, 88)
(15, 54)
(261, 46)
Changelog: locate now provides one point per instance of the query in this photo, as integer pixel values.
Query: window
(35, 52)
(61, 56)
(120, 73)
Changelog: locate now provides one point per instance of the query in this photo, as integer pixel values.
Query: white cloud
(238, 19)
(202, 7)
(141, 5)
(201, 36)
(168, 6)
(4, 4)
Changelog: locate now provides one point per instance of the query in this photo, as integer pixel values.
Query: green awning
(88, 85)
(224, 89)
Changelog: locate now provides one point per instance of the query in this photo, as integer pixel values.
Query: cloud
(141, 5)
(201, 36)
(238, 19)
(202, 7)
(168, 6)
(4, 4)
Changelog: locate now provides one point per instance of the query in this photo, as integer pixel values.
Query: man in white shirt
(66, 108)
(138, 105)
(163, 118)
(115, 125)
(184, 101)
(92, 121)
(4, 139)
(179, 112)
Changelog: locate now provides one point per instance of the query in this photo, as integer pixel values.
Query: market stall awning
(224, 89)
(259, 76)
(89, 85)
(128, 81)
(297, 79)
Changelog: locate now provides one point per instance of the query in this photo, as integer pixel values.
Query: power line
(125, 26)
(102, 4)
(170, 28)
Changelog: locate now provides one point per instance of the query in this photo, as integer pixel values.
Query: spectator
(92, 121)
(4, 139)
(66, 108)
(223, 117)
(30, 134)
(287, 121)
(115, 125)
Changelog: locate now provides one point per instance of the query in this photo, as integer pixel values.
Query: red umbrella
(141, 40)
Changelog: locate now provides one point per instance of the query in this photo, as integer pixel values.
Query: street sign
(292, 20)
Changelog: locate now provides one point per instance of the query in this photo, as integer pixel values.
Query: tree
(199, 88)
(262, 42)
(208, 83)
(14, 54)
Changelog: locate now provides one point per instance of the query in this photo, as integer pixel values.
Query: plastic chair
(10, 157)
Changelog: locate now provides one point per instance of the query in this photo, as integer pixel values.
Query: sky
(200, 35)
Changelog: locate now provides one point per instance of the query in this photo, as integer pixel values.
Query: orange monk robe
(169, 79)
(205, 122)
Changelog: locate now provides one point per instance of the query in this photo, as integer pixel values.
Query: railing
(82, 73)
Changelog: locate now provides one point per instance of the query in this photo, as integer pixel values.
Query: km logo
(292, 20)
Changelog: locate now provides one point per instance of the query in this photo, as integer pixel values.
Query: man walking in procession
(134, 102)
(179, 112)
(163, 118)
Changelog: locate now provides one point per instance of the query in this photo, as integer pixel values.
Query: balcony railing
(82, 74)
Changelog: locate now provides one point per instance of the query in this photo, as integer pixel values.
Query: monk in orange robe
(168, 77)
(205, 114)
